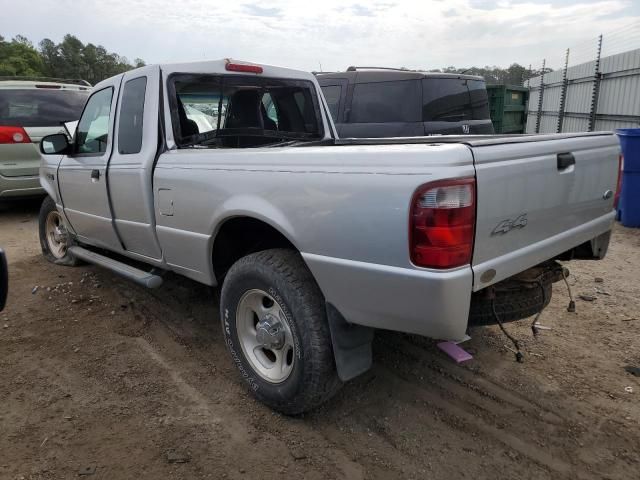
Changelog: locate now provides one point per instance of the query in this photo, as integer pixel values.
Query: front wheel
(54, 237)
(275, 328)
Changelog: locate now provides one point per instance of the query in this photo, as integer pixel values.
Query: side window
(131, 116)
(384, 102)
(93, 129)
(332, 95)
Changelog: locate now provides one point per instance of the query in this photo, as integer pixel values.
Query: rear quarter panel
(345, 208)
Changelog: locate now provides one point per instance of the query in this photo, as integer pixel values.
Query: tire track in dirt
(459, 410)
(452, 394)
(462, 382)
(555, 432)
(166, 330)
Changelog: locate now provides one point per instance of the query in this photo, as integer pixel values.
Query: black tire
(284, 275)
(511, 304)
(48, 208)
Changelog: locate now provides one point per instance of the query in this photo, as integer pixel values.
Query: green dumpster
(508, 105)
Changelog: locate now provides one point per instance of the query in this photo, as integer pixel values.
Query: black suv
(382, 102)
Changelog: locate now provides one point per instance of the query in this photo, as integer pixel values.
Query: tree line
(515, 74)
(73, 59)
(68, 59)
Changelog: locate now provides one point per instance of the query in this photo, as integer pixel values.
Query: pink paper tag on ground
(455, 352)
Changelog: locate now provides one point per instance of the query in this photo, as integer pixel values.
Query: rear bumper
(519, 260)
(11, 187)
(428, 303)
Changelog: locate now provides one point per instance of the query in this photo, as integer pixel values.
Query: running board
(136, 275)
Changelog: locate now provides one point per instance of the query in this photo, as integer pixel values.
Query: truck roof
(219, 67)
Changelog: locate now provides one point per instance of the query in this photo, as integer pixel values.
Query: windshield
(40, 107)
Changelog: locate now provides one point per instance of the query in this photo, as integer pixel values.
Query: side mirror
(4, 279)
(55, 144)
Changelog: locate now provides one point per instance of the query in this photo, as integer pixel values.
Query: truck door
(132, 161)
(82, 175)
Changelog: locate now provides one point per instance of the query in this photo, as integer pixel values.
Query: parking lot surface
(102, 378)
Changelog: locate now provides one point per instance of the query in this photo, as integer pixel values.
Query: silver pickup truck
(232, 174)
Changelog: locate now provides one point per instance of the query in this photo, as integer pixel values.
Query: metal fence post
(595, 93)
(540, 97)
(563, 93)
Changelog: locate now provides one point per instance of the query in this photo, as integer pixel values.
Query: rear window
(384, 102)
(40, 107)
(454, 100)
(238, 111)
(332, 95)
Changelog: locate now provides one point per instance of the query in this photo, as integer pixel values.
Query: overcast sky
(303, 34)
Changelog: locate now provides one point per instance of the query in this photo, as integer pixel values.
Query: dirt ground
(101, 378)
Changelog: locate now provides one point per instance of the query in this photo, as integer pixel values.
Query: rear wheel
(55, 240)
(276, 330)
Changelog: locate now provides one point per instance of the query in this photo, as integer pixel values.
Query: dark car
(381, 102)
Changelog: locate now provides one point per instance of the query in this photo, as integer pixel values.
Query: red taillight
(242, 67)
(616, 198)
(13, 135)
(442, 222)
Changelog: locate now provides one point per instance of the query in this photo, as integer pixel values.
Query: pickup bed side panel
(345, 208)
(533, 206)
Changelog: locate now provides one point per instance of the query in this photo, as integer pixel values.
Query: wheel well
(241, 236)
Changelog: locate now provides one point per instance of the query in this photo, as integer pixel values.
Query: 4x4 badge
(507, 225)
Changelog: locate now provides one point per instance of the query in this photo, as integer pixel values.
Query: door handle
(565, 160)
(95, 175)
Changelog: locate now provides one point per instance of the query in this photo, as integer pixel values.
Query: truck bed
(528, 208)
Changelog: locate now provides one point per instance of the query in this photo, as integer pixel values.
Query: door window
(131, 115)
(93, 129)
(384, 102)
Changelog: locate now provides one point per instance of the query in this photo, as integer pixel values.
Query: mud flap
(351, 345)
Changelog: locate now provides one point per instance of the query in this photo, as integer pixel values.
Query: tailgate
(538, 198)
